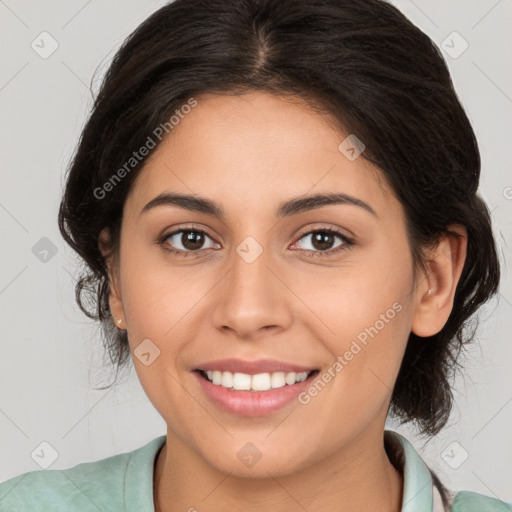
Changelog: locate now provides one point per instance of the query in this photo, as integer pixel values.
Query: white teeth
(241, 381)
(278, 379)
(258, 382)
(290, 378)
(301, 376)
(227, 380)
(261, 382)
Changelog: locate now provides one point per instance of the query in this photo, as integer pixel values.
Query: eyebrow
(286, 209)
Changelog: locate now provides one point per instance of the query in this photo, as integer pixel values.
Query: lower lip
(252, 403)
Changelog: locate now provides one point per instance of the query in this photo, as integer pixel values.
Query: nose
(252, 299)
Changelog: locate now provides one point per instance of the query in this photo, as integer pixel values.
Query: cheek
(159, 303)
(157, 297)
(366, 314)
(358, 312)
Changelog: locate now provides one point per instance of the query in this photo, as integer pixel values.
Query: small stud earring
(431, 291)
(118, 321)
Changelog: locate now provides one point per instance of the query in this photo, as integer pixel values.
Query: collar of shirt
(418, 494)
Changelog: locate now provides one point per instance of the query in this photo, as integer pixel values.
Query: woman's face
(264, 283)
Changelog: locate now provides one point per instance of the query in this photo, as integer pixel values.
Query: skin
(249, 153)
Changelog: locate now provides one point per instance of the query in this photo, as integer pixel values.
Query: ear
(435, 290)
(114, 299)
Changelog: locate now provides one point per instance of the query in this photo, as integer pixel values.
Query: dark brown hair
(366, 65)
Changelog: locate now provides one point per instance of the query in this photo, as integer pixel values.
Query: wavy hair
(359, 61)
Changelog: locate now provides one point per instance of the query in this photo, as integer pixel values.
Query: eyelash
(347, 242)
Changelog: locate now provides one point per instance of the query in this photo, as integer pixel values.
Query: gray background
(51, 354)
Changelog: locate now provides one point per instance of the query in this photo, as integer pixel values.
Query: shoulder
(467, 501)
(422, 488)
(102, 485)
(76, 488)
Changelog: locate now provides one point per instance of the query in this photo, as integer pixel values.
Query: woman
(276, 202)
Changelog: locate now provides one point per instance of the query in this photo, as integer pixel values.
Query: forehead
(254, 149)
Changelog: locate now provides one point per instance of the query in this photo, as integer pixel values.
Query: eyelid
(325, 227)
(186, 227)
(168, 234)
(347, 241)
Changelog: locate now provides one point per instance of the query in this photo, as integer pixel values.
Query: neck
(356, 477)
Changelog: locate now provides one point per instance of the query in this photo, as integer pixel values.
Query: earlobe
(114, 299)
(435, 291)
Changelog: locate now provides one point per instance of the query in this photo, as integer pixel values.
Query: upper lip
(253, 367)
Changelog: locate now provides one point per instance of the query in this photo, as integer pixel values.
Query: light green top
(124, 482)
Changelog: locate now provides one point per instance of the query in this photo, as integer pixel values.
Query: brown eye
(325, 241)
(187, 240)
(192, 240)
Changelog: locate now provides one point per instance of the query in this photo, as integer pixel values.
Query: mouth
(253, 394)
(260, 382)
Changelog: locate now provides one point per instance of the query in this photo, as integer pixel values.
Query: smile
(259, 382)
(252, 395)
